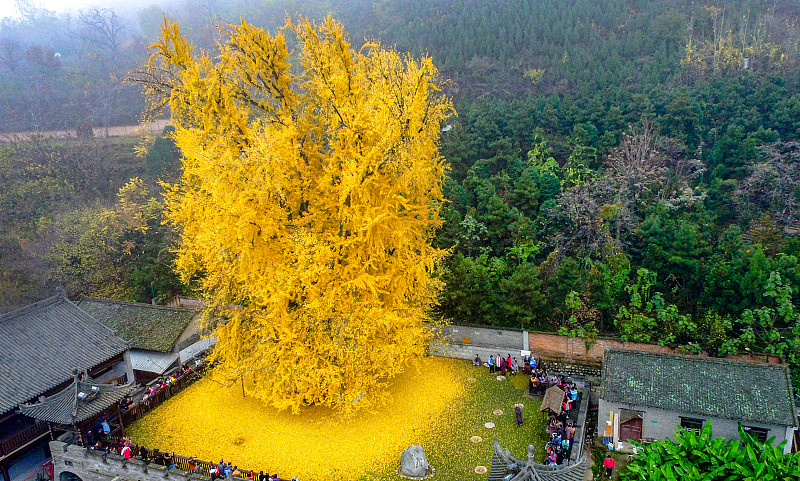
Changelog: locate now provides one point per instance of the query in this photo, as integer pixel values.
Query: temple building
(647, 397)
(161, 337)
(45, 346)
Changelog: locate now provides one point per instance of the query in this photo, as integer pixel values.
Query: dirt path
(115, 131)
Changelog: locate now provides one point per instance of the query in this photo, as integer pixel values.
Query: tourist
(609, 463)
(262, 476)
(169, 461)
(569, 448)
(251, 476)
(476, 361)
(518, 413)
(106, 427)
(228, 470)
(126, 451)
(566, 447)
(236, 473)
(514, 366)
(221, 467)
(533, 362)
(502, 366)
(214, 473)
(491, 364)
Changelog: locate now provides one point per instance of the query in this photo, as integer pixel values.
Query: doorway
(630, 425)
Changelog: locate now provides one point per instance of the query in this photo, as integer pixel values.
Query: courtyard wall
(563, 353)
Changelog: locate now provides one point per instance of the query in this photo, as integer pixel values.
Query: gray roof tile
(155, 328)
(43, 343)
(532, 471)
(66, 408)
(702, 386)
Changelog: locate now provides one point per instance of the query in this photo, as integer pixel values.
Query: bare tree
(103, 28)
(648, 168)
(773, 185)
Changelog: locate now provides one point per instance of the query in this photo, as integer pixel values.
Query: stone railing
(92, 465)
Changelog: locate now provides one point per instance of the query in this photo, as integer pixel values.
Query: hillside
(627, 167)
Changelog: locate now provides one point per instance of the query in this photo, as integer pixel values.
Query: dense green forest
(626, 167)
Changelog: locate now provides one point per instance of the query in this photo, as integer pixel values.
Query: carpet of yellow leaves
(441, 404)
(212, 421)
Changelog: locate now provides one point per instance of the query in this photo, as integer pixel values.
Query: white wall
(660, 424)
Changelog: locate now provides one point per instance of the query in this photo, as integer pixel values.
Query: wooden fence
(184, 463)
(143, 407)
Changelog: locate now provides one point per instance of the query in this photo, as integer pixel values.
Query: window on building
(760, 434)
(692, 423)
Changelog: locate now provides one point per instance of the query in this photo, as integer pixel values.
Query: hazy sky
(8, 8)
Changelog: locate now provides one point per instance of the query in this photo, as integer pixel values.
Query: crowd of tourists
(559, 448)
(499, 365)
(561, 429)
(101, 438)
(162, 383)
(226, 471)
(222, 471)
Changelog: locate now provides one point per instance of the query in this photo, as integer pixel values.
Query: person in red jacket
(609, 463)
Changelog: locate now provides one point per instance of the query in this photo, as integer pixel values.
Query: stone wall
(462, 351)
(572, 369)
(90, 465)
(506, 339)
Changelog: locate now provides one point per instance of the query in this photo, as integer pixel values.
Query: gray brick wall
(92, 465)
(485, 337)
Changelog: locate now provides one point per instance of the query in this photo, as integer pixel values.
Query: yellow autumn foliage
(211, 421)
(308, 199)
(440, 404)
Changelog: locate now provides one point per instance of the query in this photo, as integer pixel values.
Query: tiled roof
(155, 328)
(702, 386)
(151, 361)
(531, 471)
(553, 398)
(43, 343)
(67, 408)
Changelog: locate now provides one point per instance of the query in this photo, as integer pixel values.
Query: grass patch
(432, 404)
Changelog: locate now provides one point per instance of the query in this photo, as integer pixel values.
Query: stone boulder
(413, 463)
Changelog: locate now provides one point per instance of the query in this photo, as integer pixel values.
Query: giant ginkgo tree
(310, 191)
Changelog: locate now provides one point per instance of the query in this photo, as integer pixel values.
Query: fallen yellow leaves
(432, 404)
(211, 422)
